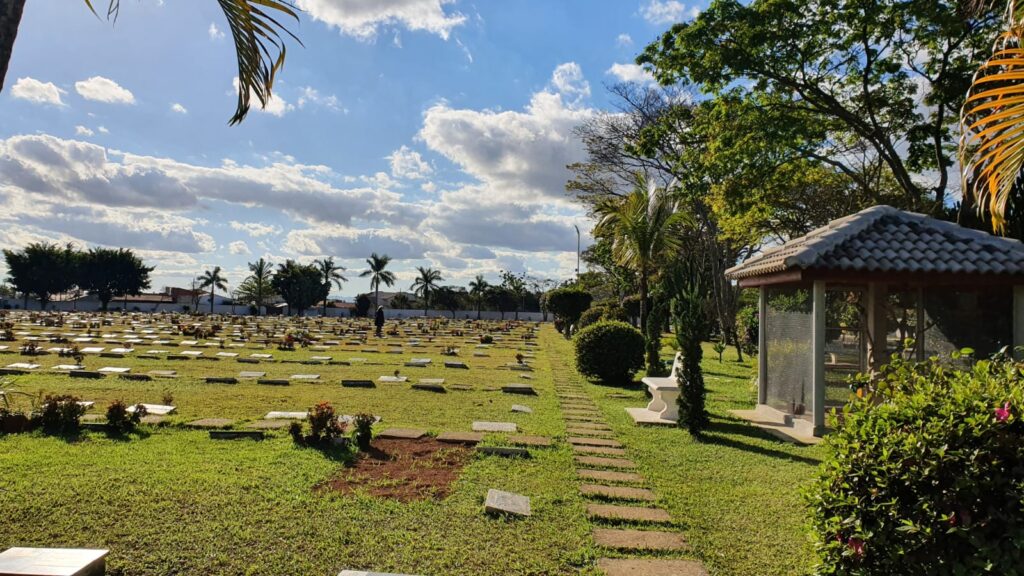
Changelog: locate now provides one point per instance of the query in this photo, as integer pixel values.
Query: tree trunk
(376, 298)
(10, 19)
(211, 301)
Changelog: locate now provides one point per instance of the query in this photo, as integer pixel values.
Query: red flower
(1003, 414)
(857, 545)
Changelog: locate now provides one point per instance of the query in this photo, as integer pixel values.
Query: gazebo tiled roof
(882, 239)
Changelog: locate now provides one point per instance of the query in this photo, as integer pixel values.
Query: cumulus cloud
(83, 131)
(178, 108)
(660, 12)
(631, 73)
(256, 229)
(239, 247)
(347, 243)
(407, 163)
(623, 40)
(102, 89)
(311, 96)
(37, 92)
(363, 20)
(568, 80)
(214, 32)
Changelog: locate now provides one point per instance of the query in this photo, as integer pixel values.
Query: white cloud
(568, 80)
(347, 243)
(239, 247)
(661, 12)
(83, 131)
(623, 40)
(256, 229)
(407, 163)
(103, 89)
(363, 19)
(311, 96)
(103, 130)
(178, 108)
(214, 32)
(631, 73)
(276, 106)
(37, 92)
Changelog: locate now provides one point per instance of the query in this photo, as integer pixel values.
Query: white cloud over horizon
(37, 92)
(100, 89)
(364, 20)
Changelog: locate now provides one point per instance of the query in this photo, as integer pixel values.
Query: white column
(1018, 320)
(762, 345)
(818, 357)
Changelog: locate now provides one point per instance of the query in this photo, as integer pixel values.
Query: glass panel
(788, 331)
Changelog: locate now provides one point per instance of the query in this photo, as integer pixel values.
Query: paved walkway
(621, 507)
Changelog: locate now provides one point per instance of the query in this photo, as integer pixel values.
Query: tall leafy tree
(450, 298)
(478, 292)
(646, 227)
(110, 273)
(424, 284)
(516, 286)
(301, 285)
(256, 288)
(331, 274)
(257, 34)
(214, 280)
(41, 269)
(378, 274)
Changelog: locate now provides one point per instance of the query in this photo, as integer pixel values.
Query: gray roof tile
(884, 239)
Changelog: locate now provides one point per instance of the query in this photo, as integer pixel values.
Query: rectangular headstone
(499, 502)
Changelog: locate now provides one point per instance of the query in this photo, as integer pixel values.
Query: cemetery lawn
(736, 495)
(170, 500)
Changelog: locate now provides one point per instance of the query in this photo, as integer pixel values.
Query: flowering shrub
(323, 423)
(925, 474)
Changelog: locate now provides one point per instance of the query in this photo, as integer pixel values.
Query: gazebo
(845, 297)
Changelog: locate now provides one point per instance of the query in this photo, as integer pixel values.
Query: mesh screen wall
(981, 319)
(788, 331)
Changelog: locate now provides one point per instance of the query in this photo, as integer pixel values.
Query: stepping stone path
(606, 474)
(495, 427)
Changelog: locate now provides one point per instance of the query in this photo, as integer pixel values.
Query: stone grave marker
(277, 415)
(522, 409)
(499, 502)
(495, 427)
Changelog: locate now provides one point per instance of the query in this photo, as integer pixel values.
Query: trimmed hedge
(609, 351)
(926, 474)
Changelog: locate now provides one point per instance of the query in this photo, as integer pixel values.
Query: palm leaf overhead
(992, 124)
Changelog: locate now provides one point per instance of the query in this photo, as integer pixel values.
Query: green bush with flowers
(925, 473)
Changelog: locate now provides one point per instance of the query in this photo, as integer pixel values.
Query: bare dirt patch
(405, 470)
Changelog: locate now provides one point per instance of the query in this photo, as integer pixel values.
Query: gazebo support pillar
(762, 345)
(1018, 321)
(818, 353)
(877, 330)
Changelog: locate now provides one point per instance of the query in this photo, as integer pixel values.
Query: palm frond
(992, 129)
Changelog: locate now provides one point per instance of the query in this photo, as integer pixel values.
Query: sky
(434, 131)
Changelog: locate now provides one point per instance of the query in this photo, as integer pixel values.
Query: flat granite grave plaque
(52, 562)
(499, 502)
(518, 389)
(164, 373)
(460, 437)
(85, 374)
(460, 365)
(251, 375)
(402, 433)
(358, 384)
(495, 427)
(393, 379)
(276, 415)
(305, 377)
(522, 409)
(272, 382)
(154, 409)
(221, 380)
(114, 370)
(135, 377)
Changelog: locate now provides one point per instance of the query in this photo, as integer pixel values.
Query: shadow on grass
(725, 433)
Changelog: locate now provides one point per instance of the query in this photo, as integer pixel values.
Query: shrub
(568, 304)
(120, 421)
(363, 430)
(323, 423)
(926, 474)
(590, 316)
(60, 415)
(487, 339)
(295, 430)
(690, 324)
(611, 352)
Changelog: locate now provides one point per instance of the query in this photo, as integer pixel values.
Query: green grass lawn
(171, 501)
(736, 493)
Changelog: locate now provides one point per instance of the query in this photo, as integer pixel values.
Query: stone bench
(663, 407)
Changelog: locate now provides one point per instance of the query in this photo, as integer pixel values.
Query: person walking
(378, 321)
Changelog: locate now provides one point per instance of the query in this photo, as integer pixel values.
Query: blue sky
(434, 131)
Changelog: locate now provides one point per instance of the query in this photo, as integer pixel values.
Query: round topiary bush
(609, 351)
(590, 316)
(925, 475)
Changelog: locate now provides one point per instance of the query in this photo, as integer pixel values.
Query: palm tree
(262, 274)
(645, 227)
(425, 284)
(213, 280)
(331, 274)
(254, 30)
(478, 291)
(378, 275)
(992, 125)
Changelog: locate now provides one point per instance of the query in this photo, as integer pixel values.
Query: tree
(567, 304)
(41, 269)
(213, 280)
(256, 33)
(516, 286)
(301, 285)
(450, 298)
(378, 275)
(362, 305)
(424, 284)
(401, 301)
(109, 273)
(690, 327)
(478, 292)
(851, 75)
(331, 275)
(646, 227)
(501, 299)
(992, 146)
(256, 288)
